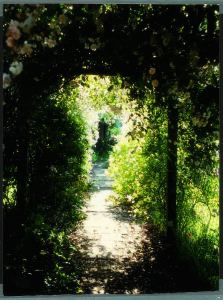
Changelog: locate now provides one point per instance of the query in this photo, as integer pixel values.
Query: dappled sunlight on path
(107, 239)
(116, 255)
(109, 236)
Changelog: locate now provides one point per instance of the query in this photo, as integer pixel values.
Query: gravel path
(118, 256)
(108, 239)
(111, 235)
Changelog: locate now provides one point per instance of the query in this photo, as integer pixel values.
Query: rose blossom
(13, 32)
(152, 71)
(49, 42)
(6, 80)
(27, 24)
(155, 83)
(62, 19)
(26, 49)
(16, 68)
(10, 42)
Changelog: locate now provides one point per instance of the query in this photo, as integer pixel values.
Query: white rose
(16, 68)
(14, 23)
(49, 42)
(6, 80)
(27, 24)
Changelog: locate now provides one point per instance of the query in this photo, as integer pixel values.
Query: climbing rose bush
(23, 38)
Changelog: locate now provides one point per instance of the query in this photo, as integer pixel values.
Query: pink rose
(10, 42)
(13, 32)
(155, 83)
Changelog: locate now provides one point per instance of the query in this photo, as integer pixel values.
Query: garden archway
(120, 41)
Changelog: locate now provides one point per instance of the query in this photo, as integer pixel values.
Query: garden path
(117, 255)
(111, 233)
(108, 238)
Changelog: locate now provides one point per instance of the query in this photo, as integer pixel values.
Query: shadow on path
(152, 268)
(118, 256)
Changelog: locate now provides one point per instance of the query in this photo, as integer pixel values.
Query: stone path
(118, 256)
(107, 238)
(110, 234)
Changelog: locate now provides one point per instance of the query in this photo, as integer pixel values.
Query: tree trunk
(172, 169)
(24, 108)
(21, 195)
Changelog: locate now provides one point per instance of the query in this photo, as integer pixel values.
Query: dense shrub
(56, 191)
(138, 165)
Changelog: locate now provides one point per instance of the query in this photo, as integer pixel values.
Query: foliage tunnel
(171, 75)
